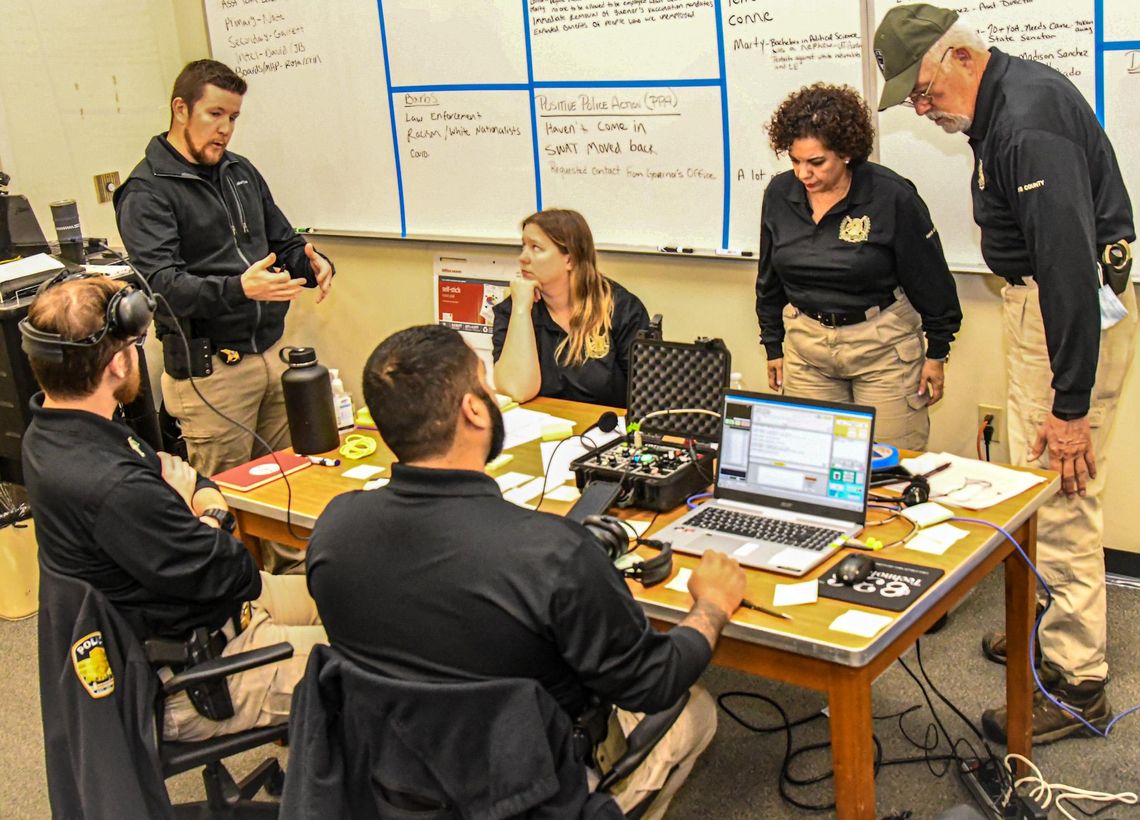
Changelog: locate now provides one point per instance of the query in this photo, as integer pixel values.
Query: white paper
(567, 492)
(681, 582)
(927, 514)
(565, 451)
(937, 540)
(28, 266)
(970, 483)
(792, 559)
(745, 549)
(795, 594)
(520, 495)
(863, 624)
(508, 481)
(522, 425)
(376, 483)
(639, 527)
(363, 472)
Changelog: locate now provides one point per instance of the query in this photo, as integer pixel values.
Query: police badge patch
(856, 229)
(597, 347)
(91, 667)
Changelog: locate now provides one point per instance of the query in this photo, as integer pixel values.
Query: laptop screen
(798, 454)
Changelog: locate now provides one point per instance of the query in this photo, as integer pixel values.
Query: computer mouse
(853, 569)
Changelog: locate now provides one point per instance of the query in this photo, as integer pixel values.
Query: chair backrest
(97, 694)
(366, 746)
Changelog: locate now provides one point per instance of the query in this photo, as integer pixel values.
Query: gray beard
(950, 123)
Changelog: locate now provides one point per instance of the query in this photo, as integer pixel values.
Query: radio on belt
(672, 455)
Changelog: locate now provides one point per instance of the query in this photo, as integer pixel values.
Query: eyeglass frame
(912, 100)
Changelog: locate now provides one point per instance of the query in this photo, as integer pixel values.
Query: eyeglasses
(913, 100)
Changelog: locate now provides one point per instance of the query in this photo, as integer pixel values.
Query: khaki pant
(262, 696)
(877, 362)
(671, 760)
(1070, 547)
(248, 392)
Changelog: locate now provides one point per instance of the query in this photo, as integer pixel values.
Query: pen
(325, 462)
(937, 469)
(674, 249)
(732, 252)
(749, 605)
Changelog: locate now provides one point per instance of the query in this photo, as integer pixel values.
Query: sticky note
(795, 594)
(681, 582)
(863, 624)
(376, 483)
(936, 540)
(508, 481)
(362, 472)
(745, 549)
(557, 430)
(566, 493)
(792, 559)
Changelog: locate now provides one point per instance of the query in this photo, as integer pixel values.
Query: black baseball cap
(901, 41)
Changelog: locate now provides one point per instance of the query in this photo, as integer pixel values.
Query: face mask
(1112, 310)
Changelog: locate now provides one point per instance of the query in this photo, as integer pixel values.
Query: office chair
(102, 708)
(368, 747)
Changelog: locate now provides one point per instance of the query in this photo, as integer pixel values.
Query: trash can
(19, 567)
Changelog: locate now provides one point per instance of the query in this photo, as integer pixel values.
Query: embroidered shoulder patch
(89, 658)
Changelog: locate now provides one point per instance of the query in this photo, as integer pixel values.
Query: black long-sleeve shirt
(876, 239)
(1048, 194)
(104, 513)
(436, 577)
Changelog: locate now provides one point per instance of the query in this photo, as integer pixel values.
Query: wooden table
(804, 651)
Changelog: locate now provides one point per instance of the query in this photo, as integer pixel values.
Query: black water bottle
(308, 402)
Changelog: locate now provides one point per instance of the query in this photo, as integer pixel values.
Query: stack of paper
(968, 482)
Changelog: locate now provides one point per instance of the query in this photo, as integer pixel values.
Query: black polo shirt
(599, 381)
(436, 577)
(104, 514)
(876, 239)
(1048, 194)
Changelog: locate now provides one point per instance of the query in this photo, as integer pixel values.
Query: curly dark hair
(833, 114)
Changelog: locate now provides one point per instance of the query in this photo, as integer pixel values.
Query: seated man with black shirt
(438, 578)
(144, 528)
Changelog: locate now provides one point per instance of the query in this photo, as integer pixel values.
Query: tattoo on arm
(707, 619)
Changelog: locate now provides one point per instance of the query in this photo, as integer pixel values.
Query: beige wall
(383, 285)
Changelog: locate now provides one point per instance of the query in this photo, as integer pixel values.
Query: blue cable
(689, 501)
(1033, 635)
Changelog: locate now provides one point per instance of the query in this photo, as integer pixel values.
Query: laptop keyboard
(763, 528)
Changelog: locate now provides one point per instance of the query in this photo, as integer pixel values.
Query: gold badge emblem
(136, 446)
(857, 229)
(229, 356)
(981, 177)
(598, 347)
(89, 658)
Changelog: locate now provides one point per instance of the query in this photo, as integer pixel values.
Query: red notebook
(261, 471)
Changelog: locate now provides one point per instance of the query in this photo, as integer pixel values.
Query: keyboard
(762, 528)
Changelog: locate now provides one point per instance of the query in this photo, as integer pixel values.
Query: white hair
(960, 35)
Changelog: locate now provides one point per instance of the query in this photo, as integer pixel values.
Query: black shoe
(1051, 723)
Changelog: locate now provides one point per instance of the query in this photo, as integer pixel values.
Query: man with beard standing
(1056, 225)
(200, 224)
(144, 528)
(502, 591)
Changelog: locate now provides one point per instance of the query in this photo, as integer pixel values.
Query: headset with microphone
(128, 315)
(613, 536)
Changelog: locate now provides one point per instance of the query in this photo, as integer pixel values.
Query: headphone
(917, 491)
(129, 313)
(613, 537)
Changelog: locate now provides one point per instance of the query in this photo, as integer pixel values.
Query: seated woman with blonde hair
(566, 330)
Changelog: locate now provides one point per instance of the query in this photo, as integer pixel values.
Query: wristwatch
(225, 518)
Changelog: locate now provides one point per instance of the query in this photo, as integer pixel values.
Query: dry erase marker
(303, 230)
(674, 249)
(732, 252)
(325, 462)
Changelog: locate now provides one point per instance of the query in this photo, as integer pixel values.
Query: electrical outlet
(998, 421)
(105, 185)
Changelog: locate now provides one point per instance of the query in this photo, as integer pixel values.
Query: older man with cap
(1056, 225)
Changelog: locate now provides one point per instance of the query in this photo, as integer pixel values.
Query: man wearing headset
(504, 592)
(143, 527)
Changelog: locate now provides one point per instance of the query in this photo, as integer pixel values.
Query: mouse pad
(892, 585)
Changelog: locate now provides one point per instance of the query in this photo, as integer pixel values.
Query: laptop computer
(791, 481)
(20, 232)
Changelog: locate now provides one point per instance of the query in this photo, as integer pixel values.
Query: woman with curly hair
(566, 330)
(851, 271)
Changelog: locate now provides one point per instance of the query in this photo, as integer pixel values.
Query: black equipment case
(675, 456)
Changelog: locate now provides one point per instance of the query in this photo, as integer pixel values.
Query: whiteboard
(449, 119)
(1059, 33)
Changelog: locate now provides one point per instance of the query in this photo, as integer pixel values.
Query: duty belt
(830, 319)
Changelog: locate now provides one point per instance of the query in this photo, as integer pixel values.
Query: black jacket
(490, 749)
(97, 696)
(192, 231)
(1048, 195)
